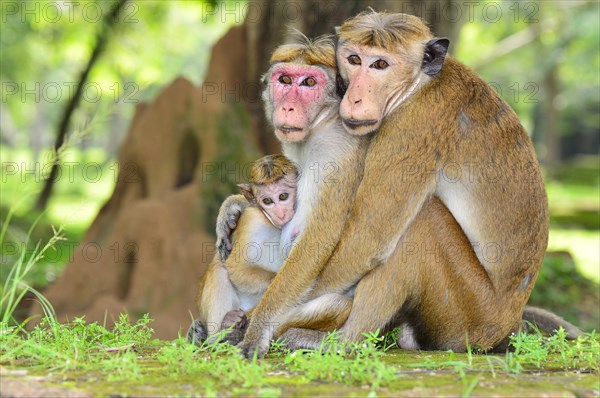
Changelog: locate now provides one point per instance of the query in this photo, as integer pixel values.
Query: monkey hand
(229, 214)
(256, 342)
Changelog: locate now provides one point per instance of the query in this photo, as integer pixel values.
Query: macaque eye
(309, 81)
(285, 79)
(283, 196)
(354, 60)
(380, 64)
(267, 201)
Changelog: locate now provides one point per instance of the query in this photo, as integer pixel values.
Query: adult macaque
(302, 104)
(228, 289)
(442, 133)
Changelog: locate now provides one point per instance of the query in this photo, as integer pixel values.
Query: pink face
(277, 201)
(297, 92)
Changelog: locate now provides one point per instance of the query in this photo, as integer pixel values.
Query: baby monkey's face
(277, 200)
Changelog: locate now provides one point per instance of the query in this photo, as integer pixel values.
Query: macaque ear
(337, 30)
(246, 190)
(435, 53)
(340, 86)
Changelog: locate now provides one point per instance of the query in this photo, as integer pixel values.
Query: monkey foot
(237, 321)
(251, 349)
(235, 318)
(196, 333)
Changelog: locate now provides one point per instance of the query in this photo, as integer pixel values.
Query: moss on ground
(161, 368)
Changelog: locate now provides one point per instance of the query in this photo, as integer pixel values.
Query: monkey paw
(256, 342)
(235, 318)
(250, 348)
(196, 333)
(236, 321)
(229, 214)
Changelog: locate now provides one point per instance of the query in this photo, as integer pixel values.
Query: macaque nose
(354, 102)
(288, 109)
(281, 215)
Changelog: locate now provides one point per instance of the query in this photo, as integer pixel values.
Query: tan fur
(383, 30)
(408, 256)
(221, 283)
(307, 52)
(216, 294)
(272, 168)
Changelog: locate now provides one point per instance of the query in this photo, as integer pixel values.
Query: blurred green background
(542, 57)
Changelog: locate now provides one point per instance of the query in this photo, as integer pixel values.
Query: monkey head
(276, 200)
(383, 59)
(272, 188)
(300, 88)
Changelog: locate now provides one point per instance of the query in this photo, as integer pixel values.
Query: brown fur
(455, 118)
(217, 295)
(216, 292)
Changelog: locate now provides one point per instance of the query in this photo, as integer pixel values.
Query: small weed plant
(534, 349)
(356, 364)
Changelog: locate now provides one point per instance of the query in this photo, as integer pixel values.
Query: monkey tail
(547, 322)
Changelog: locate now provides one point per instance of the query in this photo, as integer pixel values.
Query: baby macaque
(231, 288)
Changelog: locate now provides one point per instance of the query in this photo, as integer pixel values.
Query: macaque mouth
(288, 129)
(353, 123)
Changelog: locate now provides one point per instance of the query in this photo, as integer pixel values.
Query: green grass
(13, 286)
(84, 354)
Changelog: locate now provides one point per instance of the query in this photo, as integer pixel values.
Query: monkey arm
(229, 214)
(375, 226)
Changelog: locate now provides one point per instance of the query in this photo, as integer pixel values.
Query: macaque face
(377, 82)
(277, 201)
(297, 94)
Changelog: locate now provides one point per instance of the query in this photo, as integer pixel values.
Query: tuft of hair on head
(318, 51)
(272, 168)
(384, 30)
